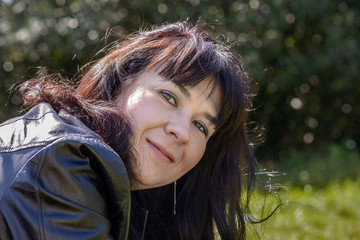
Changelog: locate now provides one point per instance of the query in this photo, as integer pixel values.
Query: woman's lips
(161, 152)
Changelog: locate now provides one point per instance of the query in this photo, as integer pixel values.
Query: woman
(150, 145)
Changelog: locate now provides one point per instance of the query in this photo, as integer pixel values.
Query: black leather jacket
(59, 180)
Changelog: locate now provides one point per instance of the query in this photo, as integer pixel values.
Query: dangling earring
(175, 198)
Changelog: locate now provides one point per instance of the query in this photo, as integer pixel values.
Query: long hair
(211, 196)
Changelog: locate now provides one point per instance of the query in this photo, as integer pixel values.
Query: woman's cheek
(199, 151)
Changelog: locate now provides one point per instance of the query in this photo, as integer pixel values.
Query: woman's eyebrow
(208, 116)
(212, 119)
(184, 91)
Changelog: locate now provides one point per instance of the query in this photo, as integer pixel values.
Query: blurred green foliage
(330, 213)
(320, 167)
(302, 56)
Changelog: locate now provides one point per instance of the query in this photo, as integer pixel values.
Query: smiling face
(171, 126)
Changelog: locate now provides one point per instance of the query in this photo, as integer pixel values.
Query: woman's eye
(169, 97)
(201, 127)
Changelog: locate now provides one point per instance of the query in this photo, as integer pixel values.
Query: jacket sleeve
(82, 191)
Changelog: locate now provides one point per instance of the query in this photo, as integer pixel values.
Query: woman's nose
(179, 128)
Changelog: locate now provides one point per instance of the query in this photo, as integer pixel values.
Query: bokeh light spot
(290, 18)
(316, 38)
(289, 42)
(212, 9)
(304, 175)
(308, 138)
(93, 35)
(257, 43)
(195, 2)
(79, 44)
(346, 108)
(314, 80)
(73, 23)
(8, 66)
(343, 7)
(304, 88)
(60, 2)
(254, 4)
(307, 188)
(162, 8)
(265, 8)
(313, 123)
(351, 144)
(296, 103)
(271, 34)
(19, 7)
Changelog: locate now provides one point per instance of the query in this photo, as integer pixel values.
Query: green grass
(332, 212)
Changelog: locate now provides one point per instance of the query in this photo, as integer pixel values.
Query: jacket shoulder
(55, 168)
(75, 178)
(38, 127)
(88, 174)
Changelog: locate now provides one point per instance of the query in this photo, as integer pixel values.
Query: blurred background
(303, 61)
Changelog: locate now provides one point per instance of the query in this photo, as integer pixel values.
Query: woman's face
(171, 126)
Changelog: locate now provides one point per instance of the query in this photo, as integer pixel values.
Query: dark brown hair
(211, 195)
